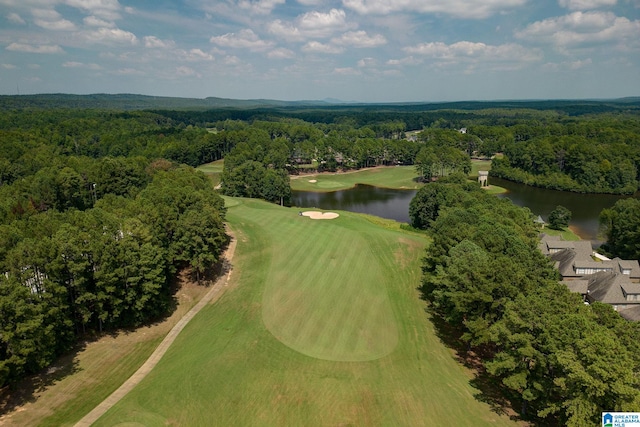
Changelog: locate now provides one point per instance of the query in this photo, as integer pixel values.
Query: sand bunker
(313, 181)
(320, 215)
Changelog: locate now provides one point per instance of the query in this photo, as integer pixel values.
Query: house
(610, 281)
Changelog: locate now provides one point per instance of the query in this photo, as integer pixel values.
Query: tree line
(559, 361)
(88, 245)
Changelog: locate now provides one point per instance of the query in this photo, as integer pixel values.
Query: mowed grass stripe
(326, 316)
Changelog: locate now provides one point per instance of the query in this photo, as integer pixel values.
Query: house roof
(579, 286)
(632, 265)
(631, 313)
(564, 262)
(602, 265)
(631, 288)
(603, 287)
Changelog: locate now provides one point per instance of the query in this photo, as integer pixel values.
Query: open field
(321, 325)
(402, 177)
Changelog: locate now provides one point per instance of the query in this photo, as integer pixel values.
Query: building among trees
(611, 281)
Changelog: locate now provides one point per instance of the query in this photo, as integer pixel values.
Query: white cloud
(33, 66)
(74, 64)
(49, 19)
(585, 4)
(109, 36)
(245, 39)
(154, 42)
(184, 71)
(281, 53)
(347, 71)
(107, 9)
(315, 46)
(409, 60)
(231, 60)
(128, 72)
(311, 25)
(286, 31)
(194, 55)
(8, 66)
(584, 28)
(262, 7)
(93, 21)
(567, 65)
(29, 48)
(318, 21)
(359, 39)
(465, 52)
(15, 18)
(468, 9)
(367, 62)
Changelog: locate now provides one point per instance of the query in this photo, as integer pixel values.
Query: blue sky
(354, 50)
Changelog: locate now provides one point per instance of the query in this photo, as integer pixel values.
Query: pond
(394, 204)
(382, 202)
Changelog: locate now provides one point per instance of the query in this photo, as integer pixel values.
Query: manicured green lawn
(479, 165)
(321, 326)
(213, 170)
(386, 177)
(567, 233)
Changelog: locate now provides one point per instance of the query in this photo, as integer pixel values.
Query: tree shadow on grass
(27, 389)
(490, 391)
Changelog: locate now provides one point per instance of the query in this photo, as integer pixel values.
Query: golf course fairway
(321, 325)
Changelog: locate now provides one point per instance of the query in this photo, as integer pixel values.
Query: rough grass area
(80, 381)
(271, 351)
(402, 177)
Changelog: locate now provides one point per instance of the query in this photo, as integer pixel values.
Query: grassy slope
(227, 368)
(387, 177)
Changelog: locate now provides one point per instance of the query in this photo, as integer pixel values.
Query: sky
(351, 50)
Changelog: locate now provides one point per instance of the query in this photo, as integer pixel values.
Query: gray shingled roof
(632, 313)
(606, 288)
(631, 288)
(632, 265)
(579, 286)
(564, 262)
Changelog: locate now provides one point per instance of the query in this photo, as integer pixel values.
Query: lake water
(394, 204)
(382, 202)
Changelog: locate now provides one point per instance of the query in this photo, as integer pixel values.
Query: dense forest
(99, 208)
(561, 362)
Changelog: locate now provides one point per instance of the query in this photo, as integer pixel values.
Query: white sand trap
(320, 215)
(313, 181)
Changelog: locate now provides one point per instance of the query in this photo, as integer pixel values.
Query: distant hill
(138, 102)
(145, 102)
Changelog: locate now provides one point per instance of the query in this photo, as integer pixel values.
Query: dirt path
(216, 291)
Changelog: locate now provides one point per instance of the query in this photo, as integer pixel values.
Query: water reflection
(382, 202)
(394, 204)
(585, 208)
